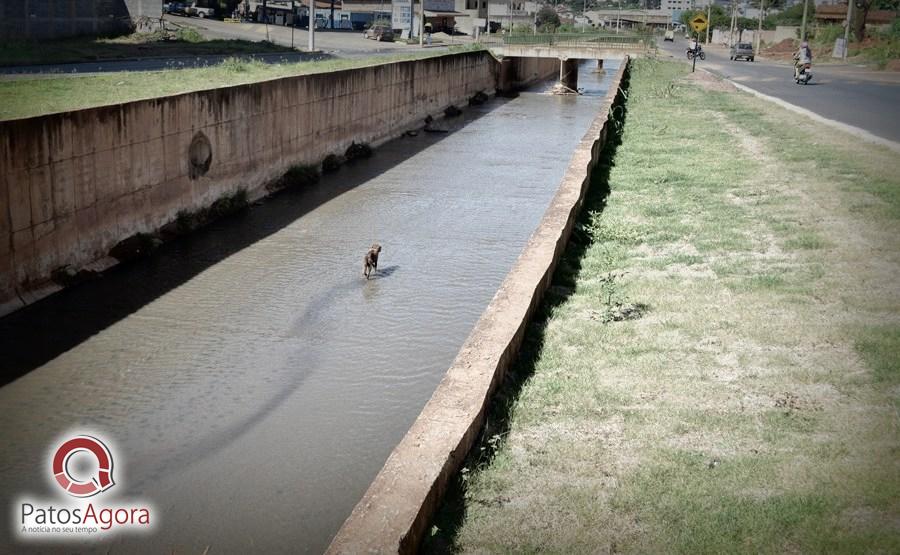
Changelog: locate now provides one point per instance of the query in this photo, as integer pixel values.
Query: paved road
(342, 44)
(345, 44)
(849, 94)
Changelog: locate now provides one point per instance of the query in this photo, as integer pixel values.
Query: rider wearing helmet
(801, 58)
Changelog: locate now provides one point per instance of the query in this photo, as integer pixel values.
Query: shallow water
(251, 382)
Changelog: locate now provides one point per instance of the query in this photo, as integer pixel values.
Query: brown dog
(371, 260)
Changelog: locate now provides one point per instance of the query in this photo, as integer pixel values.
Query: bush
(187, 34)
(358, 150)
(883, 52)
(826, 35)
(892, 32)
(233, 64)
(547, 18)
(300, 175)
(331, 163)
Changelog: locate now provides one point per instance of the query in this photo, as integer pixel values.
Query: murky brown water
(251, 381)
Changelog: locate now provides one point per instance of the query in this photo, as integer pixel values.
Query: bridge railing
(572, 40)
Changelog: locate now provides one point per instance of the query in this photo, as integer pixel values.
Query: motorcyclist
(802, 57)
(694, 47)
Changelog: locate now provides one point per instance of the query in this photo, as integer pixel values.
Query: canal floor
(250, 381)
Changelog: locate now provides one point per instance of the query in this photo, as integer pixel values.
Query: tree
(789, 16)
(547, 18)
(718, 17)
(762, 6)
(861, 12)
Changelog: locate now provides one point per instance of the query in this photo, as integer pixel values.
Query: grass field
(31, 96)
(717, 365)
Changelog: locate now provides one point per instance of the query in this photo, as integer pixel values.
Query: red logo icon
(74, 486)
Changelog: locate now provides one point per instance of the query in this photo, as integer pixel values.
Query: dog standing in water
(370, 262)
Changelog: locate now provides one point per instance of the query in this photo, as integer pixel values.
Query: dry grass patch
(753, 405)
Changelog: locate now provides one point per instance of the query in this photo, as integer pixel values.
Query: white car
(197, 11)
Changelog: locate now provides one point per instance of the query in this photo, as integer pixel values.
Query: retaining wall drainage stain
(252, 381)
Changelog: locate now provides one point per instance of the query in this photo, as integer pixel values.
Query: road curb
(394, 514)
(856, 131)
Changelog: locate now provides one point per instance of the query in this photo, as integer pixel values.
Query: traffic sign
(699, 22)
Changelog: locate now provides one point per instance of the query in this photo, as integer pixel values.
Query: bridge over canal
(569, 48)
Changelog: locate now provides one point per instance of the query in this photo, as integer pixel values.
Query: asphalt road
(344, 44)
(869, 100)
(331, 43)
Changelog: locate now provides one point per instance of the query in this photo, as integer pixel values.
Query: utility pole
(312, 25)
(584, 16)
(708, 19)
(619, 18)
(762, 7)
(293, 23)
(422, 23)
(803, 25)
(733, 22)
(847, 30)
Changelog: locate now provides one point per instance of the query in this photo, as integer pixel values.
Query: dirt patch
(709, 82)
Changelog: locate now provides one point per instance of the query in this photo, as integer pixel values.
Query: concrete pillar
(568, 74)
(507, 75)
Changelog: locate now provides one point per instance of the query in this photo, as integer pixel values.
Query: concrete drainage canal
(252, 379)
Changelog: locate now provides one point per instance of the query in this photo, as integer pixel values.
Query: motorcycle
(699, 53)
(803, 75)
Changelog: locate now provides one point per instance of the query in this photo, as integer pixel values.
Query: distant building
(44, 19)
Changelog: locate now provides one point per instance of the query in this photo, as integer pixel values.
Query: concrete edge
(855, 131)
(394, 514)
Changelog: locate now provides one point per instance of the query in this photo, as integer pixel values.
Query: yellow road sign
(699, 23)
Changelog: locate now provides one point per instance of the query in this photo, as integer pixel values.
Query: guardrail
(571, 40)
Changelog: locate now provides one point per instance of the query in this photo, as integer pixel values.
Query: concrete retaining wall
(395, 512)
(74, 184)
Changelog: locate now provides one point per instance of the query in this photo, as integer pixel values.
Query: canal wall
(394, 514)
(75, 184)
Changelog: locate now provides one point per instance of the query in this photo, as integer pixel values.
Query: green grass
(735, 413)
(880, 348)
(32, 96)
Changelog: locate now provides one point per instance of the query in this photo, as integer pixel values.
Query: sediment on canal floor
(78, 183)
(394, 514)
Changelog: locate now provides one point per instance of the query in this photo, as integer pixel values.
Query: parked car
(670, 36)
(380, 33)
(742, 50)
(200, 12)
(174, 8)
